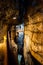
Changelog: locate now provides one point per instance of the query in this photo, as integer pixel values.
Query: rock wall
(34, 30)
(3, 46)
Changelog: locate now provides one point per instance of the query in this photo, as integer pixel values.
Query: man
(19, 41)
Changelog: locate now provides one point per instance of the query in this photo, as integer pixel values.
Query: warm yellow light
(14, 17)
(5, 39)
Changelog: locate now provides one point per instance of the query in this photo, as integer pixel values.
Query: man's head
(17, 34)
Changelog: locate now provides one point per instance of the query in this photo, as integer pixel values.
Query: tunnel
(21, 32)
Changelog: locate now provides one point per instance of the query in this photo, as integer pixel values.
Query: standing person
(20, 47)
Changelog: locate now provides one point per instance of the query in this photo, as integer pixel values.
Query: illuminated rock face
(34, 30)
(12, 44)
(1, 57)
(3, 46)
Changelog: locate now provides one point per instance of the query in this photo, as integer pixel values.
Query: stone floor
(30, 60)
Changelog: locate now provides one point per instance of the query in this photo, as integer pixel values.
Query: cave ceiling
(8, 10)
